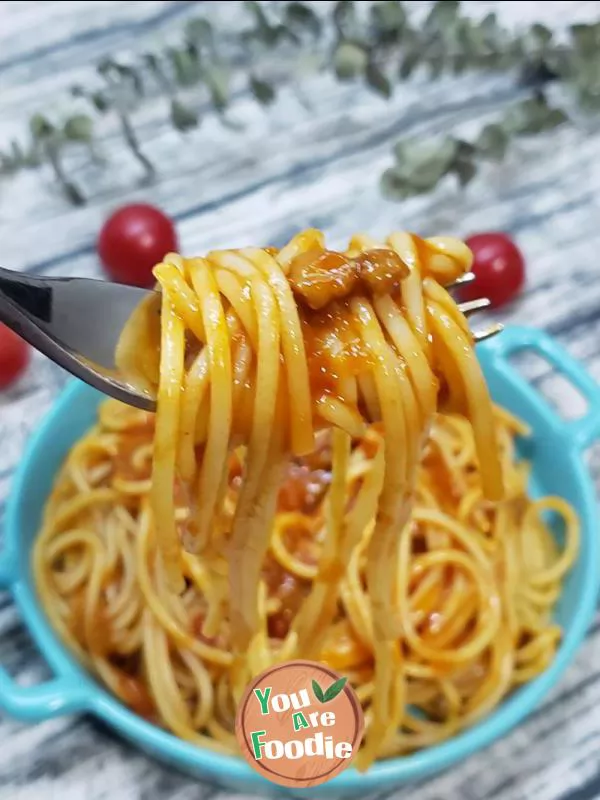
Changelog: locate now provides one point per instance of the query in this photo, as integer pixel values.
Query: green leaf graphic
(334, 690)
(318, 692)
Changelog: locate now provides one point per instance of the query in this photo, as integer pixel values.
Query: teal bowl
(555, 449)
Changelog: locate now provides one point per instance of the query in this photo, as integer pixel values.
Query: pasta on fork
(326, 477)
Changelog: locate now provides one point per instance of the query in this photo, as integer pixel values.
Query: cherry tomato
(133, 241)
(499, 268)
(14, 356)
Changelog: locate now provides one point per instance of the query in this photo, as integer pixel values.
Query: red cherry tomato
(133, 241)
(14, 356)
(498, 266)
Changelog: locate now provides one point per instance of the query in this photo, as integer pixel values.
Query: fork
(77, 322)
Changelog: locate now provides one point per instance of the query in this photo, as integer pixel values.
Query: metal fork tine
(471, 306)
(468, 277)
(481, 336)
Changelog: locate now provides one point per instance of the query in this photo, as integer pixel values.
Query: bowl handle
(63, 694)
(585, 429)
(53, 698)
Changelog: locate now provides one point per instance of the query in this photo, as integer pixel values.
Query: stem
(70, 189)
(134, 145)
(536, 72)
(129, 135)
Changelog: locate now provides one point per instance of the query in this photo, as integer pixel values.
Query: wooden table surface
(290, 167)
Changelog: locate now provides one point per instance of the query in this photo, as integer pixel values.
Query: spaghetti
(325, 477)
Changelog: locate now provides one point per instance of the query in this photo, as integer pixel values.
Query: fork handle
(26, 304)
(23, 296)
(53, 314)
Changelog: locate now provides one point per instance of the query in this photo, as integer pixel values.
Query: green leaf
(40, 127)
(470, 39)
(272, 35)
(489, 25)
(335, 688)
(32, 157)
(492, 142)
(589, 101)
(186, 66)
(587, 76)
(482, 48)
(388, 19)
(7, 167)
(345, 18)
(458, 64)
(430, 160)
(78, 128)
(19, 158)
(257, 12)
(532, 116)
(199, 30)
(302, 17)
(409, 63)
(516, 48)
(377, 80)
(217, 81)
(421, 165)
(263, 31)
(309, 64)
(100, 101)
(586, 39)
(541, 35)
(318, 692)
(395, 185)
(349, 60)
(442, 15)
(262, 91)
(463, 149)
(183, 117)
(555, 118)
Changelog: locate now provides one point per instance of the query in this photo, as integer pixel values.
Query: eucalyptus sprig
(46, 144)
(420, 166)
(376, 43)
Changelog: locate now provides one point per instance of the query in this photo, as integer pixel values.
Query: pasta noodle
(325, 477)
